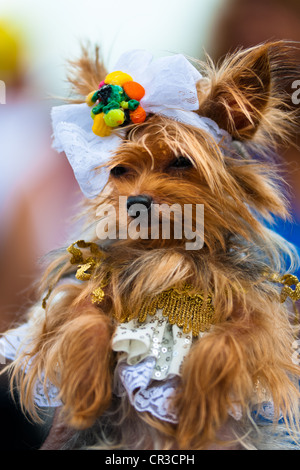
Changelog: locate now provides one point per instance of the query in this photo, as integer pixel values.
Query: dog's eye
(118, 170)
(181, 162)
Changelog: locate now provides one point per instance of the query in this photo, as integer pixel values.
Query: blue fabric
(291, 232)
(264, 416)
(288, 230)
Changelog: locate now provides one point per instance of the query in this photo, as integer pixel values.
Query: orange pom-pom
(134, 90)
(138, 116)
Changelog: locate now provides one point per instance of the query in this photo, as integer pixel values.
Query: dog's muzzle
(138, 204)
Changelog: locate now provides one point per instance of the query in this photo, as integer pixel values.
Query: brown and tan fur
(248, 350)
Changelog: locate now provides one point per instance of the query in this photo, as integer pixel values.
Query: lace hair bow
(137, 87)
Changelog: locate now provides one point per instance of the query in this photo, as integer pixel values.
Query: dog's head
(172, 184)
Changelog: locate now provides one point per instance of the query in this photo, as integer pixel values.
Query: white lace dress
(150, 360)
(151, 355)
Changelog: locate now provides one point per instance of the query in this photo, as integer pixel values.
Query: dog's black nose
(146, 201)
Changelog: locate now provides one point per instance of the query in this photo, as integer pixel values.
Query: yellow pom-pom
(89, 97)
(117, 78)
(114, 118)
(124, 104)
(99, 127)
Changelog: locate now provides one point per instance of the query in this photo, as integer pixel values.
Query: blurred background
(37, 188)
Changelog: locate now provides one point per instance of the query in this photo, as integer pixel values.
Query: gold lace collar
(189, 311)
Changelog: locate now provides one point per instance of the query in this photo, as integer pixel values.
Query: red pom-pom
(138, 116)
(134, 90)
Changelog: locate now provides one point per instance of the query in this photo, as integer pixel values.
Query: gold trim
(191, 312)
(86, 267)
(287, 280)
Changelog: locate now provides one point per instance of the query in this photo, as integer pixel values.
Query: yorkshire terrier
(151, 342)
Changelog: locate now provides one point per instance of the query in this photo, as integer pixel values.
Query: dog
(117, 313)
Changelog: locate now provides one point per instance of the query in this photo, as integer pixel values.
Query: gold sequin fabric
(86, 266)
(288, 280)
(191, 312)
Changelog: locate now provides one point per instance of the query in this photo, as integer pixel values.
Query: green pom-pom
(111, 105)
(117, 94)
(133, 105)
(95, 97)
(97, 109)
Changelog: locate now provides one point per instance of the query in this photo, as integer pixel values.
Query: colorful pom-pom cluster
(116, 103)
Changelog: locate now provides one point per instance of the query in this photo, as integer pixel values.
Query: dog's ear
(249, 91)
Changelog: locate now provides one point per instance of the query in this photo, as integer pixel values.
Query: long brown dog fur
(248, 350)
